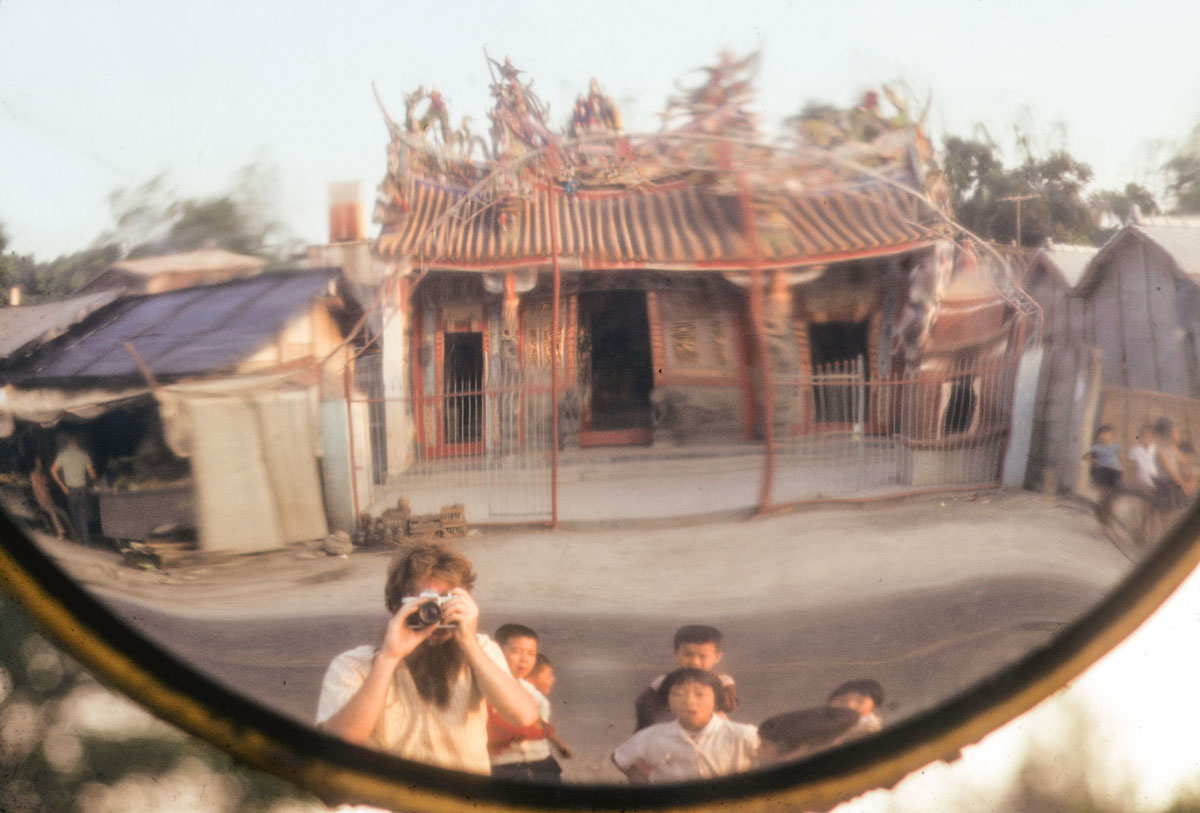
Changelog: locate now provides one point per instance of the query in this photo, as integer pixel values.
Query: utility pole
(1017, 199)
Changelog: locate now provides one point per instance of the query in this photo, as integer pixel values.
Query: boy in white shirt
(697, 744)
(518, 752)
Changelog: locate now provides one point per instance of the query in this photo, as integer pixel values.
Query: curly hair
(416, 562)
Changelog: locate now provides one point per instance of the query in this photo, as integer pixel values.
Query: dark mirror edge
(336, 771)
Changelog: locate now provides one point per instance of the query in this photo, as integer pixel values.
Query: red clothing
(502, 733)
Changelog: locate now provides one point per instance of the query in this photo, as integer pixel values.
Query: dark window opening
(462, 385)
(839, 359)
(960, 407)
(622, 373)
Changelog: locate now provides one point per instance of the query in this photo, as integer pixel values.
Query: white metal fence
(484, 444)
(488, 445)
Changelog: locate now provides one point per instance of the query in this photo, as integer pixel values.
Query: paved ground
(926, 594)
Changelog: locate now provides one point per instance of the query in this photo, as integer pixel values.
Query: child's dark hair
(1163, 427)
(539, 663)
(1102, 428)
(690, 674)
(506, 632)
(698, 634)
(868, 688)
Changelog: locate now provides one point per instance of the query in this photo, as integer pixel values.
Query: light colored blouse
(411, 727)
(722, 747)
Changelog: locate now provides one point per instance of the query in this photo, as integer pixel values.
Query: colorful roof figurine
(847, 184)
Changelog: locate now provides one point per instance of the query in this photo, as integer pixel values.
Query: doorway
(462, 388)
(620, 370)
(839, 363)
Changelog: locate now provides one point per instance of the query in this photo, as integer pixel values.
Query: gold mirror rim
(336, 771)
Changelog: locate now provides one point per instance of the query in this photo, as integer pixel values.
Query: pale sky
(95, 96)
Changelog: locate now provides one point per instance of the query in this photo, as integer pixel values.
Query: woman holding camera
(423, 693)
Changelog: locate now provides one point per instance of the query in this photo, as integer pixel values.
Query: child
(542, 678)
(697, 646)
(1174, 483)
(797, 733)
(1143, 457)
(1105, 457)
(697, 744)
(521, 753)
(861, 696)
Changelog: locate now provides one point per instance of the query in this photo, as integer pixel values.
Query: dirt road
(928, 595)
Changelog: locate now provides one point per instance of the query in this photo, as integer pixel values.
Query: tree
(8, 267)
(1183, 175)
(151, 218)
(1120, 204)
(983, 194)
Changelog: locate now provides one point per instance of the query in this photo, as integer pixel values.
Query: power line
(60, 134)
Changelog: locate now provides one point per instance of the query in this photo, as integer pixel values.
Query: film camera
(429, 611)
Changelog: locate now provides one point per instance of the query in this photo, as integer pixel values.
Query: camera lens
(428, 613)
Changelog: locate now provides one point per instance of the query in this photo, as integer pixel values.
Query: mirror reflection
(610, 456)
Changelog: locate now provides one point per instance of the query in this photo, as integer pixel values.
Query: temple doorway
(462, 384)
(620, 370)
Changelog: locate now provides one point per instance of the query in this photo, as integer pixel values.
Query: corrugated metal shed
(190, 261)
(170, 271)
(188, 332)
(1178, 236)
(23, 326)
(1068, 263)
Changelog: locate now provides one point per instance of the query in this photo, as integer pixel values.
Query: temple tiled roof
(668, 226)
(847, 185)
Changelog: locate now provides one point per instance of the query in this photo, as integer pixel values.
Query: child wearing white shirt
(697, 744)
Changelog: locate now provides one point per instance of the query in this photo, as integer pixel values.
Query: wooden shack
(1121, 333)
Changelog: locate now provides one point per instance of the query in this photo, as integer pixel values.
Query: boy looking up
(521, 752)
(698, 744)
(697, 646)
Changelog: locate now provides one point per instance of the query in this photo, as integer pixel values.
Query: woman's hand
(463, 613)
(400, 639)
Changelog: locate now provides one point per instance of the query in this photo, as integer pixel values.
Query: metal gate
(485, 444)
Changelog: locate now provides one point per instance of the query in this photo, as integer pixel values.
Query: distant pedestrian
(1143, 482)
(698, 743)
(45, 500)
(697, 646)
(1143, 460)
(1174, 485)
(522, 752)
(1105, 458)
(73, 472)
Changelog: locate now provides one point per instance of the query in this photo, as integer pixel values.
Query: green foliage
(62, 276)
(53, 758)
(151, 218)
(8, 267)
(1119, 203)
(983, 193)
(1183, 171)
